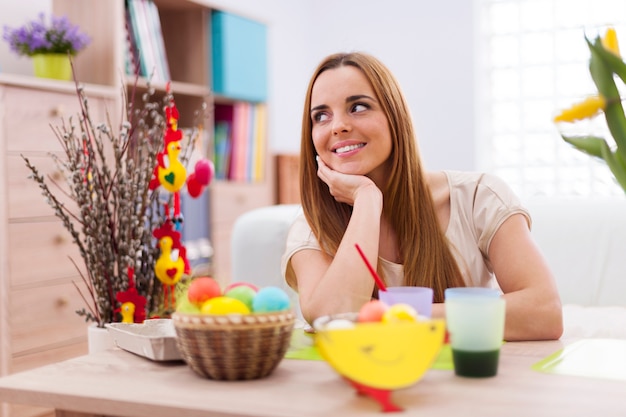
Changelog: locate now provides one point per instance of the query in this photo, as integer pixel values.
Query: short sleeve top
(479, 204)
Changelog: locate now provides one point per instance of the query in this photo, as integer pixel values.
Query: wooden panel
(28, 125)
(186, 27)
(103, 60)
(45, 316)
(40, 252)
(287, 178)
(25, 196)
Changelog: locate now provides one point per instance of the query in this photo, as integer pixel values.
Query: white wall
(429, 45)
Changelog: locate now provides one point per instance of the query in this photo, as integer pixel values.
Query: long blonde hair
(408, 204)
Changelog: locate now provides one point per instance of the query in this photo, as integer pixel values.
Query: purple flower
(36, 37)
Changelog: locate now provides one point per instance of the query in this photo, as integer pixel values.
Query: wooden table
(118, 383)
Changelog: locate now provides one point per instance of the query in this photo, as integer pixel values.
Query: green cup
(476, 327)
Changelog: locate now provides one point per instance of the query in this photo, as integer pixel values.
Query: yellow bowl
(380, 355)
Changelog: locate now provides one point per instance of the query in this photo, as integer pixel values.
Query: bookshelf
(191, 40)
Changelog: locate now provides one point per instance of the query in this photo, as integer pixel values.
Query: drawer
(71, 349)
(25, 196)
(44, 316)
(41, 251)
(19, 410)
(28, 126)
(229, 200)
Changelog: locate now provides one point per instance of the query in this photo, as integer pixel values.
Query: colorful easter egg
(186, 306)
(270, 299)
(224, 305)
(372, 311)
(238, 283)
(201, 289)
(399, 313)
(243, 293)
(338, 324)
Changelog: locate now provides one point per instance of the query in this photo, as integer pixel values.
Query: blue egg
(269, 299)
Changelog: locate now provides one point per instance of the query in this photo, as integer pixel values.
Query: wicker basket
(233, 347)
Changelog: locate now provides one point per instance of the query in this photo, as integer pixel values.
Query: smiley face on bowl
(379, 355)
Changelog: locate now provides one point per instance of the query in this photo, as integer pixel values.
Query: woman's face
(350, 131)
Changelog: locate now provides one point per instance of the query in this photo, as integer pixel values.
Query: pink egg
(204, 170)
(236, 284)
(372, 311)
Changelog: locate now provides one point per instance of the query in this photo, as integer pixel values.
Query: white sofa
(584, 242)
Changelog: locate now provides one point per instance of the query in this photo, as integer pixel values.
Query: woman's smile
(348, 149)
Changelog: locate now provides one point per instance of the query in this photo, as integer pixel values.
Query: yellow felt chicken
(171, 173)
(169, 267)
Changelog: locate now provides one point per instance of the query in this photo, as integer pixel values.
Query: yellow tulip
(582, 110)
(610, 41)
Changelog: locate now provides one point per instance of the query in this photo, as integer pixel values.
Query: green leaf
(591, 145)
(601, 73)
(603, 78)
(613, 62)
(616, 165)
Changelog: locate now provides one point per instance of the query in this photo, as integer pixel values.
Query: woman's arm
(329, 285)
(533, 305)
(533, 310)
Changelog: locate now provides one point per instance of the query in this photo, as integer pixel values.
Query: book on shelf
(221, 152)
(147, 39)
(239, 57)
(240, 142)
(132, 53)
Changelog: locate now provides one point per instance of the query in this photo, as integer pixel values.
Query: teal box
(239, 54)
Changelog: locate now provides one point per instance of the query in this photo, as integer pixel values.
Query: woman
(362, 182)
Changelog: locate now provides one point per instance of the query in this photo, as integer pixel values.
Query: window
(533, 62)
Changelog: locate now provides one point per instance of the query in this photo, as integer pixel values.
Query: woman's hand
(343, 187)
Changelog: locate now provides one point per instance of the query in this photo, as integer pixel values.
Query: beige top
(479, 204)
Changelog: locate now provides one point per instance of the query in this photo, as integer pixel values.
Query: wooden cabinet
(38, 297)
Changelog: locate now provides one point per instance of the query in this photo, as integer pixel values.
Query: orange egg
(372, 311)
(202, 289)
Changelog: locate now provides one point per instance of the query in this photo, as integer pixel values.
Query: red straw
(379, 282)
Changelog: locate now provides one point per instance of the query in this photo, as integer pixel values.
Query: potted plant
(605, 66)
(49, 45)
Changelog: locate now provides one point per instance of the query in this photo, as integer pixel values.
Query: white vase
(99, 339)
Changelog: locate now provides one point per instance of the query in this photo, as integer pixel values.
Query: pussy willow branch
(107, 176)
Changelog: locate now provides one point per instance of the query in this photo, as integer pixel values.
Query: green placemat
(302, 347)
(597, 358)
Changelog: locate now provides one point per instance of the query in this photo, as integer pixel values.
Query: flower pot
(56, 66)
(99, 339)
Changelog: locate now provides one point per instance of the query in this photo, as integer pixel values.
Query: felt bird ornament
(127, 310)
(170, 171)
(133, 305)
(169, 268)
